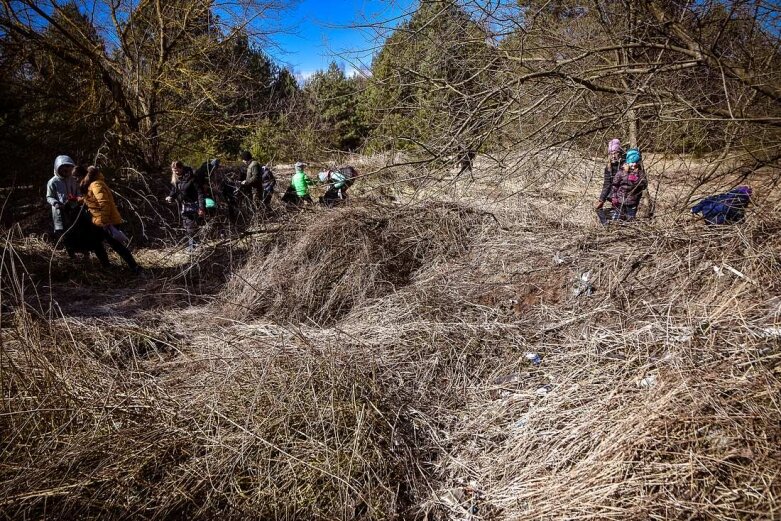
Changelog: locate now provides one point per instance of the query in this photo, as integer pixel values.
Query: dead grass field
(370, 362)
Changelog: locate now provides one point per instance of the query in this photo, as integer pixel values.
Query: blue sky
(318, 31)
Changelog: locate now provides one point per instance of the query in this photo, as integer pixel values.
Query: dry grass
(369, 363)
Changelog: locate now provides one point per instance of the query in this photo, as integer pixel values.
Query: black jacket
(188, 190)
(607, 181)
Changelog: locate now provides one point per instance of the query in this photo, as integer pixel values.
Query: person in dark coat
(465, 160)
(261, 180)
(628, 185)
(204, 176)
(187, 191)
(615, 162)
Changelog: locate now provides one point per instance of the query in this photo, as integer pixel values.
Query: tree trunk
(632, 116)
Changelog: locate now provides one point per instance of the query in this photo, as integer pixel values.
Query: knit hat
(246, 155)
(614, 146)
(744, 189)
(633, 155)
(300, 166)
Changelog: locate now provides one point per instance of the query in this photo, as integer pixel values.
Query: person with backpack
(188, 193)
(99, 201)
(61, 193)
(204, 175)
(615, 161)
(261, 180)
(298, 191)
(628, 184)
(727, 208)
(338, 182)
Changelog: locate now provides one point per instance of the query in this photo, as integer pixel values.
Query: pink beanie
(614, 146)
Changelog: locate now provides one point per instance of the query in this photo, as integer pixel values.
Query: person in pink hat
(615, 155)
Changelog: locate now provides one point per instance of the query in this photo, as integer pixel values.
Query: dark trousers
(263, 200)
(617, 213)
(118, 247)
(291, 197)
(333, 196)
(191, 225)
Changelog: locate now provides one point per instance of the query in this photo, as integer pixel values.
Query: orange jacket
(100, 202)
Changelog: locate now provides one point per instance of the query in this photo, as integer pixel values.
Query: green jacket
(301, 183)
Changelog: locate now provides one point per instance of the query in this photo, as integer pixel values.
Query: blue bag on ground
(727, 208)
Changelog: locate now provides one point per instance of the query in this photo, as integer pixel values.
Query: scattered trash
(534, 358)
(452, 497)
(512, 378)
(583, 285)
(543, 391)
(504, 386)
(719, 270)
(558, 258)
(647, 382)
(521, 423)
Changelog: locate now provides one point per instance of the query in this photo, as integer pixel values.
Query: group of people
(625, 181)
(86, 217)
(84, 212)
(192, 190)
(623, 184)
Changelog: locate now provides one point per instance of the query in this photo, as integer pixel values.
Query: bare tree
(669, 77)
(163, 64)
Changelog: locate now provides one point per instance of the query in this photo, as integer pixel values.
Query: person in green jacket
(298, 191)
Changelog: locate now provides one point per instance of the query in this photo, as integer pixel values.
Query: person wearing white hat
(338, 182)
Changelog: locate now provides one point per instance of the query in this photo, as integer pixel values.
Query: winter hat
(743, 189)
(62, 161)
(633, 156)
(300, 166)
(614, 146)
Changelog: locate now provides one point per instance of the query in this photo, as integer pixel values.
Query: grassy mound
(319, 271)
